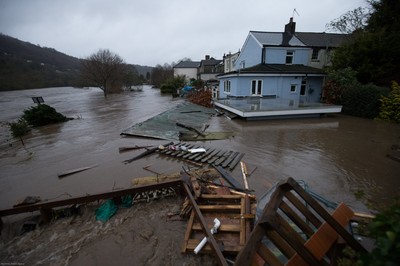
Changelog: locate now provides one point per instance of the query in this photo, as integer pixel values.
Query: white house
(280, 65)
(189, 69)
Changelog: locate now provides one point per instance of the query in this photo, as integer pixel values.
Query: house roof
(277, 69)
(323, 39)
(276, 38)
(210, 62)
(310, 39)
(187, 64)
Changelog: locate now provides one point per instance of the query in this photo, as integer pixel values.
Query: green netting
(163, 126)
(106, 211)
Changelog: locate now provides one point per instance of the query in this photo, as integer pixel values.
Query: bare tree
(105, 70)
(350, 22)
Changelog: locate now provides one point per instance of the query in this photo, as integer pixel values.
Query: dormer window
(289, 57)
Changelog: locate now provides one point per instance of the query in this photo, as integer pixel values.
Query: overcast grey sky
(151, 32)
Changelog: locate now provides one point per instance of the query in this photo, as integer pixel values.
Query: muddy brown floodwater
(338, 156)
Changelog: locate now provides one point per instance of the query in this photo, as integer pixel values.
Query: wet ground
(338, 156)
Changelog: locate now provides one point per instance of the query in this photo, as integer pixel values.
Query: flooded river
(338, 156)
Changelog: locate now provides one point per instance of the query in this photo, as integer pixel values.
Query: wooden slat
(236, 161)
(320, 243)
(223, 228)
(223, 158)
(303, 209)
(327, 217)
(204, 155)
(212, 154)
(188, 231)
(292, 238)
(214, 246)
(219, 207)
(229, 159)
(217, 157)
(221, 197)
(192, 244)
(242, 238)
(296, 219)
(280, 243)
(268, 256)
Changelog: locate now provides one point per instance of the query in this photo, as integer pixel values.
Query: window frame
(315, 54)
(295, 88)
(227, 86)
(256, 87)
(289, 55)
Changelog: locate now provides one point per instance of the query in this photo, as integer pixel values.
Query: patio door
(256, 87)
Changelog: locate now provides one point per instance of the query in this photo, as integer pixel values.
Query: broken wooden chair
(296, 230)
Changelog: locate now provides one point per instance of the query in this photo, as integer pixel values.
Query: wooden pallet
(218, 157)
(236, 214)
(295, 230)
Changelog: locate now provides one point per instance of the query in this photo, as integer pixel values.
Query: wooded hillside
(25, 66)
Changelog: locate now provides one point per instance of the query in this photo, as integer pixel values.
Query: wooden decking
(215, 156)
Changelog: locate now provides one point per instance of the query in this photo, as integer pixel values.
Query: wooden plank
(242, 239)
(222, 197)
(247, 211)
(246, 255)
(235, 161)
(216, 156)
(188, 231)
(89, 198)
(280, 226)
(219, 207)
(223, 228)
(206, 154)
(268, 256)
(148, 152)
(280, 243)
(212, 154)
(303, 209)
(220, 258)
(228, 177)
(320, 243)
(229, 159)
(327, 217)
(78, 170)
(296, 219)
(223, 158)
(228, 248)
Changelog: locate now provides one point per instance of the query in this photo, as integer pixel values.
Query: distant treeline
(26, 66)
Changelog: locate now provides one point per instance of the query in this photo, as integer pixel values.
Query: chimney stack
(207, 57)
(290, 28)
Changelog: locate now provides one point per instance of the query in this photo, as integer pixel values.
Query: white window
(293, 88)
(227, 86)
(315, 54)
(289, 57)
(256, 87)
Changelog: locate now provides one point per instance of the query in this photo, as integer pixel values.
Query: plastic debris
(106, 211)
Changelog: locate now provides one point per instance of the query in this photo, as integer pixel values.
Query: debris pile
(201, 97)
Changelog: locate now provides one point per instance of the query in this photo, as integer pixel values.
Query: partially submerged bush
(363, 100)
(43, 115)
(19, 129)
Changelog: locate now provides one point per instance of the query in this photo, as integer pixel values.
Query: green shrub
(42, 115)
(19, 129)
(363, 100)
(385, 229)
(172, 84)
(390, 106)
